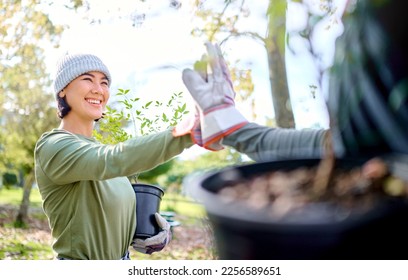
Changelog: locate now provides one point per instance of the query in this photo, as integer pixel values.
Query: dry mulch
(282, 192)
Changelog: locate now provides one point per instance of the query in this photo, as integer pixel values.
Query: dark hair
(63, 107)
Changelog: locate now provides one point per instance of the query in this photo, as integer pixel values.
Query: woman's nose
(97, 89)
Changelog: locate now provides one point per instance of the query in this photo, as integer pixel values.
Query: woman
(89, 202)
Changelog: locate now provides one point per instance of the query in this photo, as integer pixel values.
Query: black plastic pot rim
(146, 188)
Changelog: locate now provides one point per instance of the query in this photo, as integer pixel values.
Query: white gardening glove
(155, 243)
(191, 125)
(214, 97)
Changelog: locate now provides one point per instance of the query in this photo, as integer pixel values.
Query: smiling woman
(79, 67)
(84, 185)
(88, 95)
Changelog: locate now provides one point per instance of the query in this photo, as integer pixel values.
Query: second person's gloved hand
(214, 98)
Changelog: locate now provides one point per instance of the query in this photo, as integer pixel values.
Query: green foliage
(25, 100)
(155, 172)
(9, 179)
(134, 116)
(111, 127)
(140, 119)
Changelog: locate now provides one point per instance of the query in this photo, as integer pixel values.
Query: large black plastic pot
(148, 199)
(319, 231)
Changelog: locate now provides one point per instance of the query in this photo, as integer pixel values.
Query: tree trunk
(22, 216)
(275, 46)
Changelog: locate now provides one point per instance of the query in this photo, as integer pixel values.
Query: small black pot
(148, 199)
(317, 232)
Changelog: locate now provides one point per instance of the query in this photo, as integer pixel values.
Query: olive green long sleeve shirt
(87, 197)
(262, 143)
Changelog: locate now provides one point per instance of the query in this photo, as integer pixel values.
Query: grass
(181, 205)
(191, 240)
(13, 196)
(18, 247)
(177, 203)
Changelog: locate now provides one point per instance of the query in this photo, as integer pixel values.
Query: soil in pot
(276, 210)
(281, 192)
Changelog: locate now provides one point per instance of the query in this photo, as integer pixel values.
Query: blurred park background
(278, 52)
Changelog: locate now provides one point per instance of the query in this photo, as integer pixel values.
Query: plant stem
(324, 169)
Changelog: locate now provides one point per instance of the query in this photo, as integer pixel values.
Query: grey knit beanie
(71, 66)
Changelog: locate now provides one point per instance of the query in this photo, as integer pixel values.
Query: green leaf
(164, 117)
